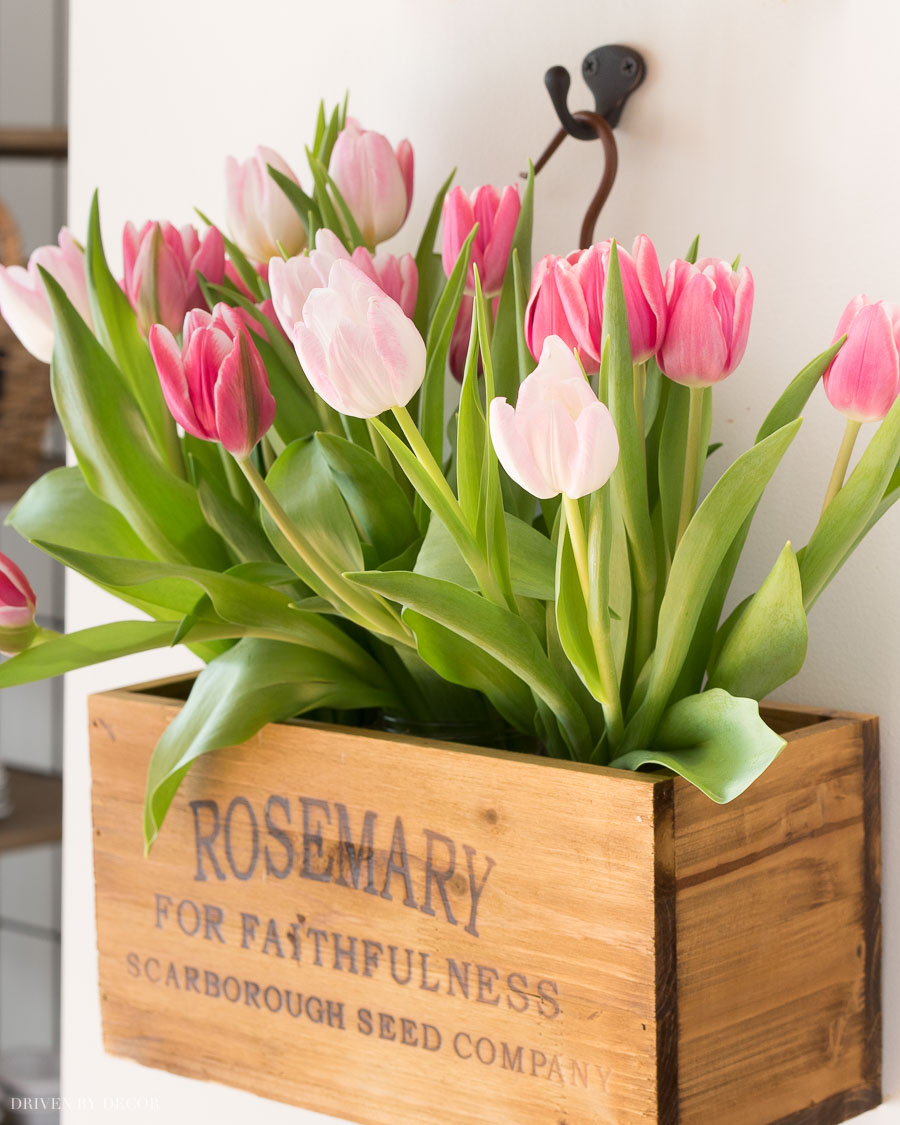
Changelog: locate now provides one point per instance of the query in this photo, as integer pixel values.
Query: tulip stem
(691, 484)
(344, 594)
(596, 607)
(851, 433)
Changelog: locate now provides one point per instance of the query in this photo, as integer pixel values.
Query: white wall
(769, 125)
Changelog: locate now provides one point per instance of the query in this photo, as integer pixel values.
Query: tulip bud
(709, 321)
(559, 437)
(216, 385)
(24, 304)
(292, 281)
(359, 350)
(863, 379)
(496, 214)
(259, 214)
(375, 181)
(161, 268)
(17, 606)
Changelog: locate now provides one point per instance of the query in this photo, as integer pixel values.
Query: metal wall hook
(612, 74)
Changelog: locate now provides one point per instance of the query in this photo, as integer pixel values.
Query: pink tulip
(709, 320)
(863, 379)
(17, 607)
(292, 281)
(559, 437)
(161, 267)
(259, 214)
(216, 384)
(375, 181)
(24, 304)
(359, 350)
(567, 301)
(496, 214)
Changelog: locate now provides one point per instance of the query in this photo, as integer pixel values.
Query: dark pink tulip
(216, 384)
(375, 181)
(863, 379)
(161, 267)
(496, 214)
(17, 606)
(567, 301)
(709, 320)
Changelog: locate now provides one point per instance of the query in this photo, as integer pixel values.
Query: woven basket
(26, 404)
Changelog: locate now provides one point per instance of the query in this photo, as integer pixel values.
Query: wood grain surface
(407, 933)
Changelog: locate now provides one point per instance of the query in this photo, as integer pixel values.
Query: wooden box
(403, 932)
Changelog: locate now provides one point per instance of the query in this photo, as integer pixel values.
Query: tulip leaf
(375, 499)
(305, 487)
(300, 201)
(327, 210)
(673, 444)
(853, 509)
(246, 271)
(693, 250)
(462, 662)
(431, 399)
(428, 264)
(113, 449)
(694, 568)
(86, 647)
(508, 324)
(796, 395)
(572, 619)
(498, 632)
(532, 560)
(715, 741)
(116, 327)
(238, 528)
(255, 683)
(766, 645)
(471, 436)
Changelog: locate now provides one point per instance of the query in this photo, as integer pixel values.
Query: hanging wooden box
(401, 932)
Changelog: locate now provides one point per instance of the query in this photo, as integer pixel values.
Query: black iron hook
(612, 73)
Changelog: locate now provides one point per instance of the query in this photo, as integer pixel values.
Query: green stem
(691, 485)
(600, 639)
(385, 620)
(851, 433)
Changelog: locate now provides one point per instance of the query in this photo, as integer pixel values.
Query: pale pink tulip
(375, 181)
(23, 300)
(258, 213)
(496, 214)
(359, 350)
(17, 606)
(709, 320)
(863, 379)
(293, 280)
(559, 437)
(161, 268)
(567, 301)
(216, 384)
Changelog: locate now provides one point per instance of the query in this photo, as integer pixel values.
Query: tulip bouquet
(267, 469)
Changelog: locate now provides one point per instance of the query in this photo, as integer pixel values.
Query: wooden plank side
(774, 945)
(452, 936)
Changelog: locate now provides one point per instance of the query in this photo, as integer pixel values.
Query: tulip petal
(400, 348)
(173, 380)
(597, 452)
(244, 406)
(694, 352)
(25, 308)
(862, 382)
(514, 452)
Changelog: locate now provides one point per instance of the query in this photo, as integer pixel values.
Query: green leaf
(532, 560)
(327, 210)
(116, 327)
(255, 683)
(303, 484)
(377, 503)
(694, 568)
(715, 741)
(500, 633)
(300, 201)
(113, 449)
(246, 271)
(795, 397)
(767, 644)
(572, 619)
(91, 646)
(854, 509)
(428, 264)
(467, 664)
(471, 435)
(693, 250)
(230, 519)
(431, 401)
